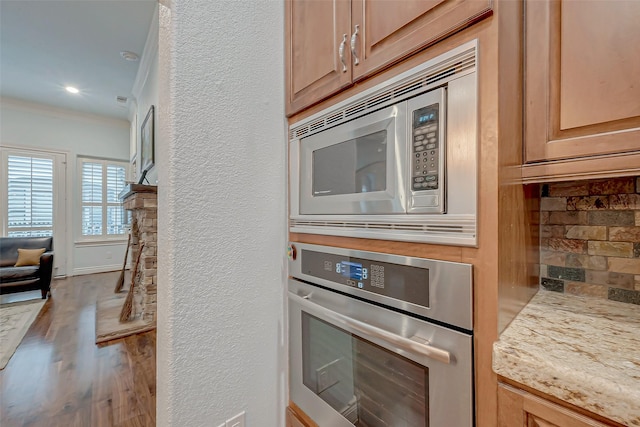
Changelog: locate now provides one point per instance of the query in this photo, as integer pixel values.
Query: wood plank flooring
(59, 377)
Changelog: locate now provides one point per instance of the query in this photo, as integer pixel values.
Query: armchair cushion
(28, 257)
(14, 274)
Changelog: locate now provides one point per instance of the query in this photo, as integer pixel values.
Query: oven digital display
(351, 270)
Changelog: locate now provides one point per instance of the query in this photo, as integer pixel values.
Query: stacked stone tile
(144, 229)
(590, 238)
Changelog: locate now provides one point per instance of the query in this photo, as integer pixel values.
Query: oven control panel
(401, 282)
(434, 289)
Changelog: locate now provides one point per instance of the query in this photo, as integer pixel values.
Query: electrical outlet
(237, 421)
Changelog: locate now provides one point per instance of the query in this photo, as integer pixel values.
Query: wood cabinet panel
(519, 408)
(582, 79)
(597, 84)
(533, 421)
(296, 418)
(389, 31)
(423, 250)
(315, 30)
(292, 420)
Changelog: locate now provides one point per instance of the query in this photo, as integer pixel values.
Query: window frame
(82, 239)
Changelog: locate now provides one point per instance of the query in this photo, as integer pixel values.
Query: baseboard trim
(100, 269)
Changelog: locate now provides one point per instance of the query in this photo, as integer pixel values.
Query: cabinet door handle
(354, 38)
(341, 50)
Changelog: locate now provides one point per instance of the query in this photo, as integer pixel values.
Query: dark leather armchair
(27, 278)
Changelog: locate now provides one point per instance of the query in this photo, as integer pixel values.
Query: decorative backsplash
(590, 238)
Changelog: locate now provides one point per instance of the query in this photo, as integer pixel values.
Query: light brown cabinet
(582, 85)
(387, 31)
(317, 33)
(293, 420)
(333, 44)
(519, 408)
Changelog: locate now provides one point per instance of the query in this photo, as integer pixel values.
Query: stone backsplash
(590, 238)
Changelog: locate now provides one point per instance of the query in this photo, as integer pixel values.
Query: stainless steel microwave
(396, 162)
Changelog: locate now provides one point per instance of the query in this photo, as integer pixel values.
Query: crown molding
(149, 55)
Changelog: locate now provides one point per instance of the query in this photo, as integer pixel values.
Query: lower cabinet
(518, 408)
(294, 421)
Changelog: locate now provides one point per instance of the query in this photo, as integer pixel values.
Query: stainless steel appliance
(380, 340)
(397, 161)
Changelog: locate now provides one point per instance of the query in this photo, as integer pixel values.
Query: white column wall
(221, 212)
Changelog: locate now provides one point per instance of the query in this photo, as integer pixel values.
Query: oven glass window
(355, 166)
(369, 385)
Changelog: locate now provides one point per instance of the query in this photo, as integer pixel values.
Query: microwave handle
(414, 345)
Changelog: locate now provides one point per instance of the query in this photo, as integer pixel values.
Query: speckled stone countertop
(582, 350)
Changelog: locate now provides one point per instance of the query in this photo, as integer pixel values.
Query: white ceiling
(48, 44)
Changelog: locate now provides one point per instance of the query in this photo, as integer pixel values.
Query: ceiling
(49, 44)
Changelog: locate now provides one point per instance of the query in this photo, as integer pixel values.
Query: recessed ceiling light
(72, 89)
(129, 56)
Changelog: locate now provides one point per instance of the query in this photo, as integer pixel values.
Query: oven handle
(414, 345)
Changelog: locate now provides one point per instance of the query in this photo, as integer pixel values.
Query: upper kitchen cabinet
(318, 55)
(332, 44)
(582, 88)
(384, 32)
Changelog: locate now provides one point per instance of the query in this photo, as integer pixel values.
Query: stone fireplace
(142, 202)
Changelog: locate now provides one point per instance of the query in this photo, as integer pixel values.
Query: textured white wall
(222, 173)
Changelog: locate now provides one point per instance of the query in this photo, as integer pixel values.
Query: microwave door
(355, 166)
(352, 169)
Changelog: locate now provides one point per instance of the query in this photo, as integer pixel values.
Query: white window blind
(102, 212)
(29, 196)
(115, 212)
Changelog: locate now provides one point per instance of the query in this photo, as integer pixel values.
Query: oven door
(355, 363)
(355, 167)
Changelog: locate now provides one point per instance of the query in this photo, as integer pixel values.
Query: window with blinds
(102, 211)
(29, 196)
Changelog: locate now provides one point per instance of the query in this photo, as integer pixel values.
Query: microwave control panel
(426, 149)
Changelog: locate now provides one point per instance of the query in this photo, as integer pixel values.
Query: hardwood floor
(59, 377)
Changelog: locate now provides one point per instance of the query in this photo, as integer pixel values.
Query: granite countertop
(582, 350)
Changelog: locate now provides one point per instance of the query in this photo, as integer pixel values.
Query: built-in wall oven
(397, 161)
(380, 340)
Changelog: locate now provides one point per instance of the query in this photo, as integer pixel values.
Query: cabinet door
(582, 85)
(315, 30)
(388, 31)
(522, 409)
